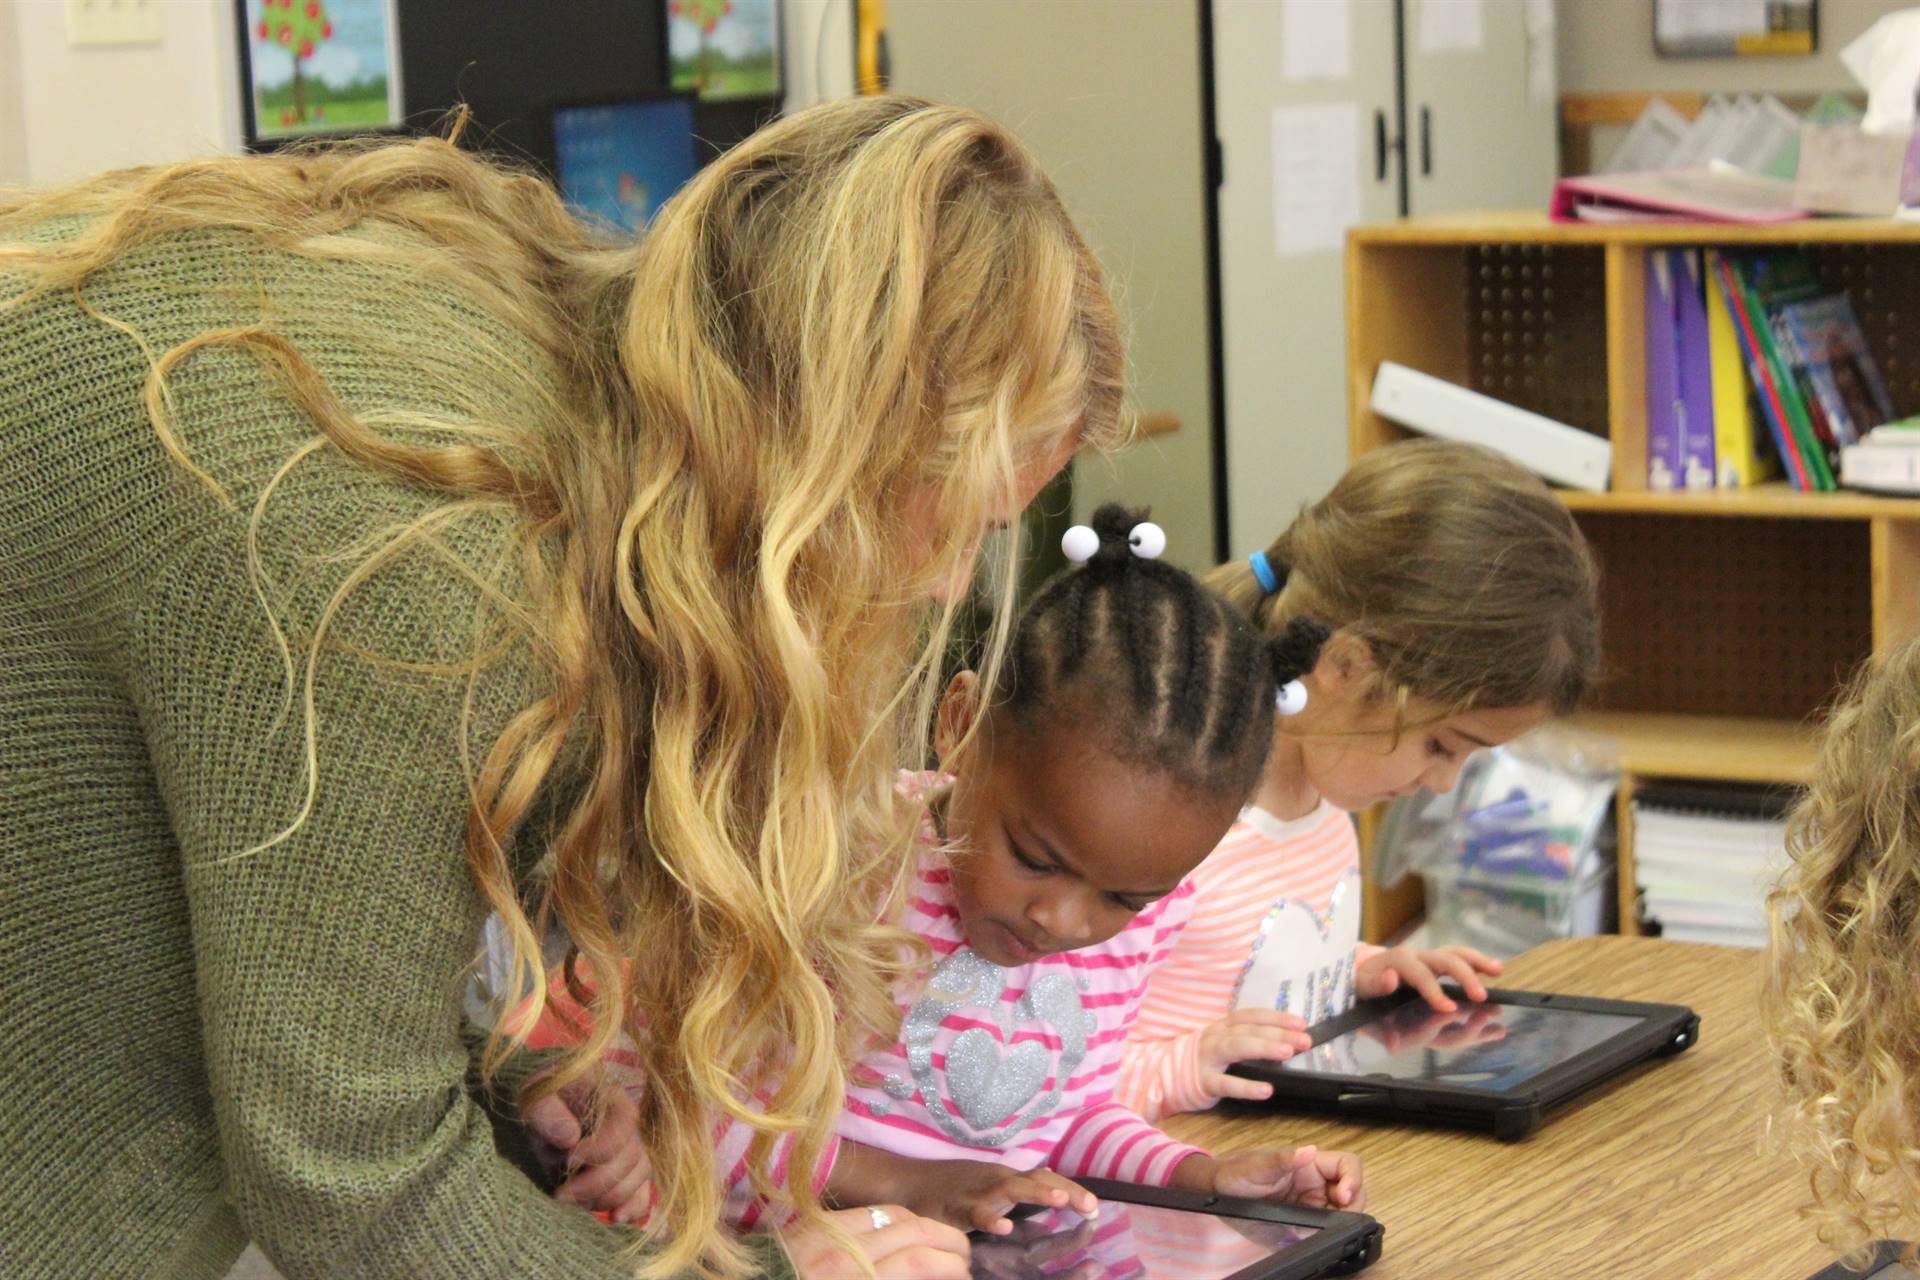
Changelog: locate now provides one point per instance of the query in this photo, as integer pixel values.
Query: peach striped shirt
(1275, 923)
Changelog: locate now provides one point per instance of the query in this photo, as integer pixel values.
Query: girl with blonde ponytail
(357, 506)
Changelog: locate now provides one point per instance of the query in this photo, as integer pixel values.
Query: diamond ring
(881, 1218)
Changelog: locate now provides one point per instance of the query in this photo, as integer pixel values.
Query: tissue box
(1845, 170)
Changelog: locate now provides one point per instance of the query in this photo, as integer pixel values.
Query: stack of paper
(1705, 858)
(1755, 134)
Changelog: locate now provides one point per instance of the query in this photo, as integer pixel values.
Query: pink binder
(1675, 195)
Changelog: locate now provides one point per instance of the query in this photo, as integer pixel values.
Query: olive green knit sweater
(204, 1049)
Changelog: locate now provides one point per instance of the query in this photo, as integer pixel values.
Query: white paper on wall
(1543, 77)
(1316, 39)
(1316, 176)
(1452, 26)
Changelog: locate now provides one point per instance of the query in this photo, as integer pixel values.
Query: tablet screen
(1480, 1046)
(1130, 1242)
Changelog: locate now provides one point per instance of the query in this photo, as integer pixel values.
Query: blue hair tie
(1263, 570)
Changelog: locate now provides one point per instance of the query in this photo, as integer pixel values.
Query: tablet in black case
(1159, 1233)
(1884, 1265)
(1498, 1065)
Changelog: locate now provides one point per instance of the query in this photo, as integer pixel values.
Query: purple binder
(1695, 363)
(1666, 461)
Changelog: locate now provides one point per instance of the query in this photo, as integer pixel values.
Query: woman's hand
(1383, 973)
(1301, 1175)
(1244, 1035)
(607, 1170)
(898, 1244)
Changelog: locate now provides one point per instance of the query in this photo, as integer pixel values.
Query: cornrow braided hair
(1161, 671)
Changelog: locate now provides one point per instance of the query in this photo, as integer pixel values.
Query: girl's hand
(607, 1169)
(1303, 1175)
(973, 1195)
(909, 1247)
(1248, 1034)
(976, 1196)
(1383, 973)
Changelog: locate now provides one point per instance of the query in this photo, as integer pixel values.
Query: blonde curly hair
(861, 323)
(1841, 1002)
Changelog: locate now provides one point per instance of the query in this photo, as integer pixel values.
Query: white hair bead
(1292, 698)
(1079, 543)
(1148, 540)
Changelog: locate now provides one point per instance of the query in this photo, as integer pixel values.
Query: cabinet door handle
(1379, 146)
(1426, 142)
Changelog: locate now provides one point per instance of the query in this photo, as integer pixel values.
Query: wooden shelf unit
(1729, 619)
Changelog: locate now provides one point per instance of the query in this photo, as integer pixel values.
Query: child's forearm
(864, 1175)
(1195, 1173)
(1160, 1077)
(1108, 1141)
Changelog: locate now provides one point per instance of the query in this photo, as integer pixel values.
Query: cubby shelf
(1729, 618)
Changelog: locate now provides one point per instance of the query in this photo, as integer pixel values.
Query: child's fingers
(1252, 1043)
(639, 1206)
(990, 1215)
(1460, 970)
(1266, 1018)
(1422, 980)
(591, 1186)
(1375, 979)
(1222, 1085)
(629, 1201)
(1042, 1187)
(1267, 1174)
(1078, 1198)
(616, 1132)
(554, 1121)
(1478, 959)
(1345, 1182)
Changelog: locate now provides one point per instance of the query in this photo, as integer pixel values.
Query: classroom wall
(1607, 46)
(819, 51)
(1112, 108)
(76, 111)
(13, 142)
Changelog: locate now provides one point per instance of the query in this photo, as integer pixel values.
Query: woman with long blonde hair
(378, 548)
(1842, 997)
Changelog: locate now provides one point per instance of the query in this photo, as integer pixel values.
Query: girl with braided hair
(1078, 789)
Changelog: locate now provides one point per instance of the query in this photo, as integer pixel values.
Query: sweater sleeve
(330, 964)
(1160, 1067)
(1108, 1141)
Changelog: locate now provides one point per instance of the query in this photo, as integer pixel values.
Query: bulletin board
(1735, 28)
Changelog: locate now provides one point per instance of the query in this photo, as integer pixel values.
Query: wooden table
(1662, 1173)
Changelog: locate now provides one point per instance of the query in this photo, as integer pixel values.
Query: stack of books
(1705, 856)
(1752, 368)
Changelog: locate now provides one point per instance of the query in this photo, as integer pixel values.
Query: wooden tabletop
(1661, 1173)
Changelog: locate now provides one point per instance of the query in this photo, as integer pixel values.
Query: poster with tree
(724, 48)
(322, 66)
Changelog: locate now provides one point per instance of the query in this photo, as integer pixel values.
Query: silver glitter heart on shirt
(989, 1083)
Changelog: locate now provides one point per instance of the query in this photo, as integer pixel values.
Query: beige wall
(13, 137)
(819, 36)
(1608, 45)
(1108, 95)
(66, 112)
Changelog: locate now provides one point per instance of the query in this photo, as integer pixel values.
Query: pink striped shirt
(1274, 923)
(1016, 1066)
